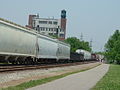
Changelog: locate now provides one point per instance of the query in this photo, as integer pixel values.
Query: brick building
(49, 26)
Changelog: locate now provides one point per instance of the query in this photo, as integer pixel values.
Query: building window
(43, 28)
(50, 22)
(55, 23)
(46, 29)
(50, 33)
(42, 22)
(51, 29)
(61, 35)
(55, 29)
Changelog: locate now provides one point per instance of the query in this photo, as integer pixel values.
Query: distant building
(49, 26)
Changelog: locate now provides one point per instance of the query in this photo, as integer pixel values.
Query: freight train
(22, 45)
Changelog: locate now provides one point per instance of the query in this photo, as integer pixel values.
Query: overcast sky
(95, 19)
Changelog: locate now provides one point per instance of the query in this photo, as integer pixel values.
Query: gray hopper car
(22, 45)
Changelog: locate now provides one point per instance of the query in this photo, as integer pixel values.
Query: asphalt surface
(79, 81)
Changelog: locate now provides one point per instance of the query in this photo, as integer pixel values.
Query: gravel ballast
(17, 77)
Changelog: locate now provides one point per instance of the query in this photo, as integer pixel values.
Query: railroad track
(30, 67)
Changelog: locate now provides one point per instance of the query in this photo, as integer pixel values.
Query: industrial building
(49, 26)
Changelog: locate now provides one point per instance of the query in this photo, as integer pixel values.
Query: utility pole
(81, 37)
(91, 41)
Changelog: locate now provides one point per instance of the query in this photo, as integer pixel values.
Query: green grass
(111, 81)
(33, 83)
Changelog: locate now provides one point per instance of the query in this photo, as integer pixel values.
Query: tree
(113, 47)
(77, 44)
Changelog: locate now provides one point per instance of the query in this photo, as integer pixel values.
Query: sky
(95, 19)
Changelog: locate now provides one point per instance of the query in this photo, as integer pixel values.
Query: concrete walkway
(79, 81)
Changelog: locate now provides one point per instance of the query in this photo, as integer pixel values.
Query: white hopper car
(86, 54)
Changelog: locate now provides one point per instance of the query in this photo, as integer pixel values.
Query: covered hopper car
(21, 45)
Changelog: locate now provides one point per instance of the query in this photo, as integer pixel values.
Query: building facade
(49, 26)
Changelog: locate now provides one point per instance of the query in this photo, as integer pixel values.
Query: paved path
(79, 81)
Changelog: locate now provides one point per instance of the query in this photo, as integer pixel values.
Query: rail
(30, 67)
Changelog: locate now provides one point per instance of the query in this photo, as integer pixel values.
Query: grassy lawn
(33, 83)
(111, 81)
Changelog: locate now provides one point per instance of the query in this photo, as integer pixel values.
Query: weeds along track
(9, 68)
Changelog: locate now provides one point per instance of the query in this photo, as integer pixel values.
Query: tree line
(77, 44)
(112, 48)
